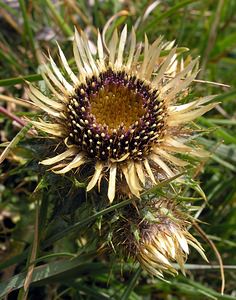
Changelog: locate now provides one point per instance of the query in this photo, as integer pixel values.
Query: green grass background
(64, 271)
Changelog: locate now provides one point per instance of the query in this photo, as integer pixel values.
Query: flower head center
(116, 106)
(115, 115)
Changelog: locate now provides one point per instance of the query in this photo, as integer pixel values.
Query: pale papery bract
(155, 233)
(120, 112)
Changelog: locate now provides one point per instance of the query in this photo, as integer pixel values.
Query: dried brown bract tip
(156, 237)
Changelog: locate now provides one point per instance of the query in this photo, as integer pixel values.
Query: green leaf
(28, 33)
(131, 284)
(218, 131)
(223, 45)
(55, 271)
(20, 135)
(59, 19)
(105, 211)
(21, 79)
(168, 13)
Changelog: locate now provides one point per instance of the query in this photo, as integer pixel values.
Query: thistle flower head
(118, 112)
(156, 237)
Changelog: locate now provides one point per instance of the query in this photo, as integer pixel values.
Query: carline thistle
(121, 112)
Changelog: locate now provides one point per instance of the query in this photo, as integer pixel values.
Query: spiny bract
(119, 113)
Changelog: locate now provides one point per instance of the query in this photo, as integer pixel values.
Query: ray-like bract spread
(120, 111)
